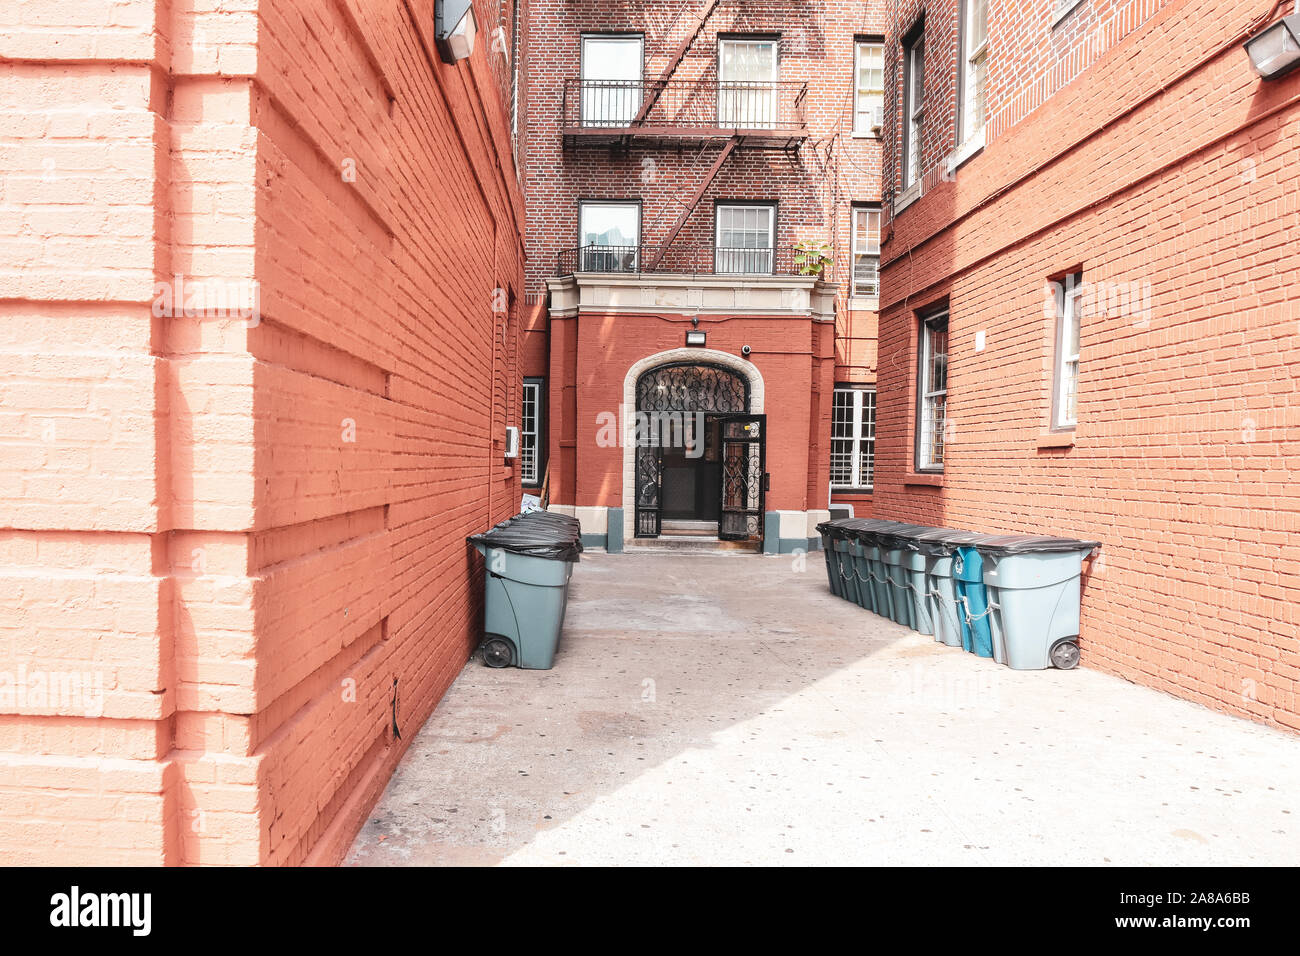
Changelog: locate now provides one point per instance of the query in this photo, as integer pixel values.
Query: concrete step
(680, 526)
(691, 544)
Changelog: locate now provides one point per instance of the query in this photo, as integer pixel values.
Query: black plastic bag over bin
(537, 534)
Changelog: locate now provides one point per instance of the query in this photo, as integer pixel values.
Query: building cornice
(805, 297)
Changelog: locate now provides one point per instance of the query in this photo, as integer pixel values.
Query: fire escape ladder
(658, 85)
(693, 202)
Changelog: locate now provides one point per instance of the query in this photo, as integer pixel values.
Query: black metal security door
(744, 478)
(665, 397)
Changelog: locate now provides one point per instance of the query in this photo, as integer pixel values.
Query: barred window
(932, 393)
(1069, 296)
(530, 433)
(853, 437)
(975, 29)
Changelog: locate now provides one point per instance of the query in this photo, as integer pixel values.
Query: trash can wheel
(1065, 654)
(498, 652)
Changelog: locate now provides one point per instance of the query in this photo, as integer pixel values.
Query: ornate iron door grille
(677, 389)
(744, 479)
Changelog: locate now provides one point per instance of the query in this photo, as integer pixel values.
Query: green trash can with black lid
(901, 571)
(831, 531)
(870, 537)
(528, 561)
(1033, 584)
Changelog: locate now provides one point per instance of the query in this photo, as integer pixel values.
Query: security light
(695, 338)
(1275, 51)
(454, 29)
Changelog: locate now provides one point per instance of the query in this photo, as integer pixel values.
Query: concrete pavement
(727, 709)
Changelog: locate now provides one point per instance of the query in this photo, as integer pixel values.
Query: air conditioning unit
(512, 441)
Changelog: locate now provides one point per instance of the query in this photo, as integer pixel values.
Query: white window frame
(530, 467)
(593, 260)
(1065, 379)
(973, 56)
(914, 110)
(929, 431)
(875, 110)
(870, 250)
(859, 439)
(748, 107)
(608, 102)
(724, 261)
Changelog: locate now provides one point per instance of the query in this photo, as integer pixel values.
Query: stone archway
(679, 357)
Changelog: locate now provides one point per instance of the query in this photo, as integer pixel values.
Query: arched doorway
(699, 452)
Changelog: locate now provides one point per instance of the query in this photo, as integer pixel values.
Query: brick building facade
(1086, 325)
(234, 565)
(689, 116)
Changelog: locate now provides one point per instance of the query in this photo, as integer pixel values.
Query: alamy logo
(133, 910)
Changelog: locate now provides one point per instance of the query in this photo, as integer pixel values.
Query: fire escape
(716, 118)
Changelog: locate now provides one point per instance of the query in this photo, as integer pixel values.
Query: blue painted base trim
(593, 541)
(614, 534)
(791, 545)
(771, 533)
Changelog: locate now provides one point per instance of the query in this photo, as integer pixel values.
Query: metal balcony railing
(683, 107)
(692, 260)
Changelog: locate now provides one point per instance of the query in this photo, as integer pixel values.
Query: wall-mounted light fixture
(695, 338)
(454, 29)
(1275, 50)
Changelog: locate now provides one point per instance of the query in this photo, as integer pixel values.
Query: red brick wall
(813, 190)
(249, 531)
(1180, 463)
(791, 355)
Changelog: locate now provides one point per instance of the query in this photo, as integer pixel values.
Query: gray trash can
(528, 560)
(1033, 587)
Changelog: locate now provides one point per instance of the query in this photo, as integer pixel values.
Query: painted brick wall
(247, 533)
(1169, 181)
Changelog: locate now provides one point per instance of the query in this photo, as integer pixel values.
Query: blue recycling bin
(972, 602)
(1033, 586)
(939, 547)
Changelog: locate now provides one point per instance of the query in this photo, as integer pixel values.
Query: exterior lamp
(695, 338)
(454, 29)
(1275, 51)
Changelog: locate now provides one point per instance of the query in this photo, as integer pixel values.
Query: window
(866, 251)
(746, 236)
(975, 75)
(531, 455)
(853, 438)
(932, 392)
(609, 234)
(1069, 297)
(611, 80)
(913, 104)
(868, 87)
(747, 72)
